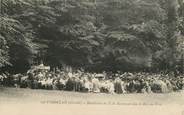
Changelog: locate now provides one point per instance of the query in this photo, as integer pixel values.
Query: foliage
(111, 35)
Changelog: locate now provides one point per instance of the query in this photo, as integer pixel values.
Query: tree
(108, 35)
(17, 46)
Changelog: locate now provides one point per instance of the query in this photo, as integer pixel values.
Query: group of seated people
(80, 81)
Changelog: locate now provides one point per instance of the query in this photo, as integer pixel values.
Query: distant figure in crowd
(80, 81)
(118, 86)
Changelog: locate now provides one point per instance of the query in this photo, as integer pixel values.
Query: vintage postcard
(92, 57)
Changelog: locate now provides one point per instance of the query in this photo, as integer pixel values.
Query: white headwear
(70, 74)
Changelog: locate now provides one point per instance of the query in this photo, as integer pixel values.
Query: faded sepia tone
(121, 57)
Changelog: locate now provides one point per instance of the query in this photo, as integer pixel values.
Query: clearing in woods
(17, 95)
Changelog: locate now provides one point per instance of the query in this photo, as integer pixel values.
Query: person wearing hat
(77, 83)
(118, 86)
(62, 83)
(30, 80)
(96, 87)
(70, 84)
(86, 86)
(111, 87)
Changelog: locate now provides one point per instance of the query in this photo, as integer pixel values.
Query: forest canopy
(97, 35)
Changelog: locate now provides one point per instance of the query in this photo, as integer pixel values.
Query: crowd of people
(80, 81)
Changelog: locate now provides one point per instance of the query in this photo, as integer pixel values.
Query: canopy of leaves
(94, 34)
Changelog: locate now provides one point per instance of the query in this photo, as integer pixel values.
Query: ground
(16, 101)
(17, 95)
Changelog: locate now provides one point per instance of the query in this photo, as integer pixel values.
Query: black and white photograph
(121, 57)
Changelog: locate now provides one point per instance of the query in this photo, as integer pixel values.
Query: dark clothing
(118, 87)
(70, 85)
